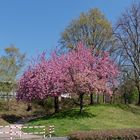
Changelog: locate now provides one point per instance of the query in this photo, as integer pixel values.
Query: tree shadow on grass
(10, 118)
(73, 114)
(68, 114)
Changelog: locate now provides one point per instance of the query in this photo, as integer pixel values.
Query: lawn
(93, 117)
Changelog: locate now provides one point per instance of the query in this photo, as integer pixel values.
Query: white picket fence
(12, 132)
(51, 130)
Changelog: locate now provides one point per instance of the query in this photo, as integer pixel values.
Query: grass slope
(93, 117)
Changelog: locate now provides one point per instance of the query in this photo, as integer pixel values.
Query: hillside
(93, 117)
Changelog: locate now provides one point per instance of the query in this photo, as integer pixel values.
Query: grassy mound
(93, 117)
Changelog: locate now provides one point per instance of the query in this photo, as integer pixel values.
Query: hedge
(116, 134)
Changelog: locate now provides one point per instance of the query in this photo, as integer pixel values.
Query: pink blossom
(77, 71)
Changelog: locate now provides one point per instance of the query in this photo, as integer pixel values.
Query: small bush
(120, 134)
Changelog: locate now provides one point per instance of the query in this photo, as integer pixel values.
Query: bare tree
(128, 35)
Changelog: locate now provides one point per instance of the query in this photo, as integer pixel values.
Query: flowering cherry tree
(77, 72)
(88, 73)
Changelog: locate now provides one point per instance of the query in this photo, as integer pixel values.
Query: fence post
(51, 130)
(20, 131)
(44, 131)
(33, 130)
(11, 133)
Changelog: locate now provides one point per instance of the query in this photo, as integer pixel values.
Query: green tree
(92, 28)
(129, 91)
(10, 65)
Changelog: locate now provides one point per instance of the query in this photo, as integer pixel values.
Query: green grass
(93, 117)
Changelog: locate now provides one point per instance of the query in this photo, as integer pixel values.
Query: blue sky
(36, 25)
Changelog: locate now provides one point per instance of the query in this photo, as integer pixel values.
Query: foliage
(10, 66)
(6, 86)
(92, 28)
(47, 104)
(129, 92)
(76, 72)
(132, 96)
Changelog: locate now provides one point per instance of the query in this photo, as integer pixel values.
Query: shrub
(120, 134)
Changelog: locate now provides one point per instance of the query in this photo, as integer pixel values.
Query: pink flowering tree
(87, 73)
(78, 72)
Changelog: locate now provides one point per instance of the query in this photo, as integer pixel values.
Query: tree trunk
(103, 98)
(56, 104)
(97, 98)
(81, 102)
(139, 99)
(114, 99)
(125, 100)
(8, 101)
(91, 99)
(138, 87)
(29, 108)
(111, 99)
